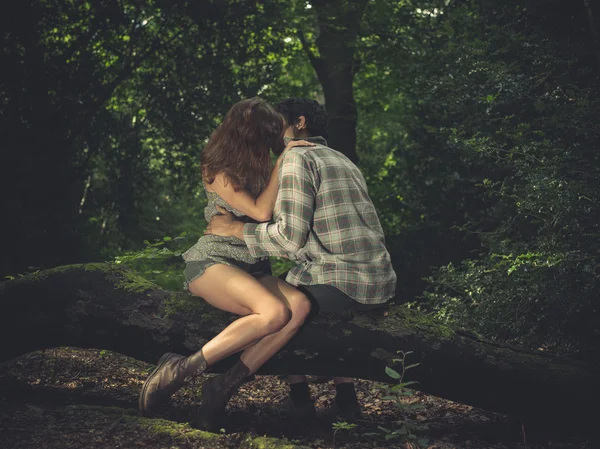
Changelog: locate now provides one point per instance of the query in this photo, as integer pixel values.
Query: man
(325, 221)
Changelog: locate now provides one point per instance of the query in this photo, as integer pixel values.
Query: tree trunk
(105, 306)
(338, 22)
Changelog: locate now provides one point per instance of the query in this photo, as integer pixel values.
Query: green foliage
(405, 429)
(478, 139)
(526, 133)
(151, 251)
(343, 426)
(159, 261)
(280, 265)
(105, 107)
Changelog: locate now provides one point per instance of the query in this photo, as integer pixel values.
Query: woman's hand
(295, 143)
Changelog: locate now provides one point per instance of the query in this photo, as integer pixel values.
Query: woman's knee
(277, 317)
(300, 307)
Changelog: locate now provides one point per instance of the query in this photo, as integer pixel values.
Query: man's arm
(295, 205)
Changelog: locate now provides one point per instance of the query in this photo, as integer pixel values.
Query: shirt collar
(319, 140)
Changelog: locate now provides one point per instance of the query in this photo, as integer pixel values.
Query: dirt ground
(80, 398)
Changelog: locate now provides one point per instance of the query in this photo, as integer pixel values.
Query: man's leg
(299, 404)
(346, 403)
(328, 299)
(299, 401)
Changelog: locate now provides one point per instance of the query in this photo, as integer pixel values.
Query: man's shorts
(328, 299)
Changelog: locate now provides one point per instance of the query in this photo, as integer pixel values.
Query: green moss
(43, 274)
(170, 428)
(130, 281)
(123, 278)
(39, 275)
(100, 266)
(105, 410)
(425, 324)
(187, 305)
(268, 443)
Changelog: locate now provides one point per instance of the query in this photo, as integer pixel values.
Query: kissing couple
(312, 207)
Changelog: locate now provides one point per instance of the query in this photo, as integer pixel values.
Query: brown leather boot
(172, 372)
(216, 393)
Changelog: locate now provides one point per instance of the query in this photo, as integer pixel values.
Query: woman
(237, 176)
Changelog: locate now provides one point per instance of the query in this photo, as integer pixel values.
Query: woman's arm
(261, 208)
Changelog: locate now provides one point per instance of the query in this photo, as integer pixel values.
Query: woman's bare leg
(233, 290)
(256, 355)
(216, 391)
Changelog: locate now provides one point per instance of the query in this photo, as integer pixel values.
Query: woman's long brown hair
(239, 147)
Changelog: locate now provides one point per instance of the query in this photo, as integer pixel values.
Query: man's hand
(225, 225)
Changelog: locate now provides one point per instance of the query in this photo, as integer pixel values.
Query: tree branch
(316, 62)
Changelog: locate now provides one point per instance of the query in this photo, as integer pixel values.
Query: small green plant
(151, 251)
(397, 393)
(337, 426)
(159, 261)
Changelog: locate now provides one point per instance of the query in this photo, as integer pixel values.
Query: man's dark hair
(316, 117)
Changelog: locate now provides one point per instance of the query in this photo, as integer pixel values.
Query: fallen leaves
(54, 379)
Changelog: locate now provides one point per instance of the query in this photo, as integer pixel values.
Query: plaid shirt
(325, 220)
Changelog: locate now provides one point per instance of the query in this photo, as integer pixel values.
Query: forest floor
(79, 398)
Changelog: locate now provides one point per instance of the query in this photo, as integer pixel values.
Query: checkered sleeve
(292, 214)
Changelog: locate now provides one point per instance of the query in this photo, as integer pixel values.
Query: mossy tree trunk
(108, 307)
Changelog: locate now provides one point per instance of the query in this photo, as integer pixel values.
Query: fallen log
(109, 307)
